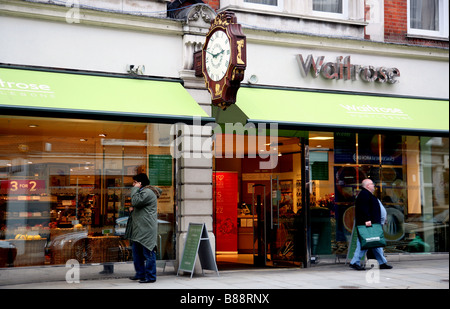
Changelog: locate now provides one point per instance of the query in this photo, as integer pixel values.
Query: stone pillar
(194, 163)
(194, 182)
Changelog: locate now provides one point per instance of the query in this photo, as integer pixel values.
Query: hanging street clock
(224, 59)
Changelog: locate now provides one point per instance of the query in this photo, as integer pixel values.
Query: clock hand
(219, 53)
(215, 55)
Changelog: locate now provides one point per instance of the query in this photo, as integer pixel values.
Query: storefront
(283, 194)
(322, 142)
(70, 144)
(302, 207)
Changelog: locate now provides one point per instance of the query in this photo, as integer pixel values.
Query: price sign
(160, 170)
(22, 186)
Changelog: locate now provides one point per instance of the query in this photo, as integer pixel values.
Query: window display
(65, 188)
(411, 178)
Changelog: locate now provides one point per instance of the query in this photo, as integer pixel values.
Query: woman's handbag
(371, 236)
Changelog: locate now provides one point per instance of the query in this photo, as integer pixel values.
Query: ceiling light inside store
(33, 126)
(124, 142)
(102, 135)
(321, 138)
(83, 140)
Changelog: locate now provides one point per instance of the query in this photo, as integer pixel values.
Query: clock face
(218, 54)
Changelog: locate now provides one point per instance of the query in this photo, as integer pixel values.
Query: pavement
(414, 274)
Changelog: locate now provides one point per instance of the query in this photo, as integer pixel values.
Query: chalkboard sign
(197, 242)
(160, 170)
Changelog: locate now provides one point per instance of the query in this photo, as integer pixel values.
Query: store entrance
(271, 245)
(258, 212)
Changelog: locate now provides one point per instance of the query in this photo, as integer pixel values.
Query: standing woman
(142, 228)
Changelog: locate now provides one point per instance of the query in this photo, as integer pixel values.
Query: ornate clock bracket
(223, 92)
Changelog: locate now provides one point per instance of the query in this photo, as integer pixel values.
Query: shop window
(65, 188)
(428, 18)
(411, 175)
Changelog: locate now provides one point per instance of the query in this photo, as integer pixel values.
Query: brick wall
(396, 26)
(215, 4)
(367, 18)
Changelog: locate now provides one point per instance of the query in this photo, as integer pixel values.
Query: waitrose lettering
(373, 109)
(343, 69)
(8, 85)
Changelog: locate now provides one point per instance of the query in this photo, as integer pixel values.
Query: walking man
(367, 212)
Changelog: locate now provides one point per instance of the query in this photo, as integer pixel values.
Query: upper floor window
(267, 2)
(330, 8)
(339, 11)
(264, 4)
(428, 18)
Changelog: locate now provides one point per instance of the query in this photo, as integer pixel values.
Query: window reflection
(411, 177)
(65, 188)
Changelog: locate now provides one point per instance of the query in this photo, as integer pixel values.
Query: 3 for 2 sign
(22, 186)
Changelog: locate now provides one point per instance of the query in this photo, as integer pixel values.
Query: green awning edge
(72, 95)
(102, 115)
(348, 128)
(307, 110)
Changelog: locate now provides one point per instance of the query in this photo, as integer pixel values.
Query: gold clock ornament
(224, 58)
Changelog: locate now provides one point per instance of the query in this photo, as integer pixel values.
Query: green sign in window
(160, 170)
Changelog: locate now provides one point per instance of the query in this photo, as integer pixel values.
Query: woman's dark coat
(142, 225)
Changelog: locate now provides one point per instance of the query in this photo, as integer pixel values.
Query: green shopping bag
(371, 236)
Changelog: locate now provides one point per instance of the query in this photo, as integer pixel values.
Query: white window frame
(442, 33)
(343, 15)
(265, 7)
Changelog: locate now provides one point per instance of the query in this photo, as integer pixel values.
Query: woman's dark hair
(142, 178)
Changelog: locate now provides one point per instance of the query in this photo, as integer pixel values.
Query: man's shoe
(385, 266)
(147, 281)
(136, 278)
(356, 267)
(106, 272)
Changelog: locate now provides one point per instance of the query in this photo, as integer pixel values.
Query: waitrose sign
(343, 69)
(24, 89)
(366, 110)
(18, 86)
